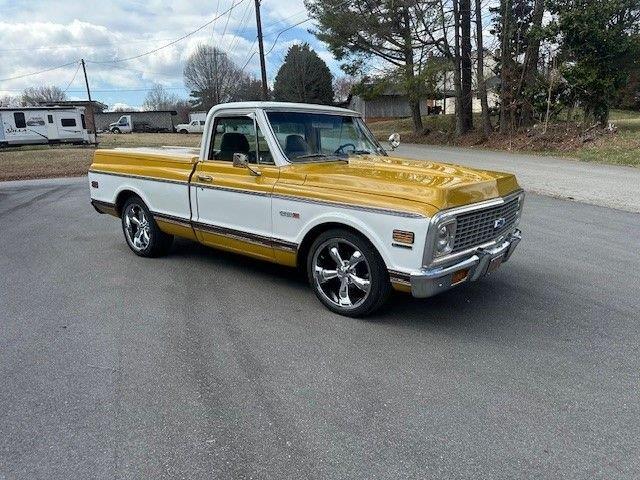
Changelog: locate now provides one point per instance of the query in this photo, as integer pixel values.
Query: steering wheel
(340, 149)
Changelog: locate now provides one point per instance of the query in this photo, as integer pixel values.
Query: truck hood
(437, 184)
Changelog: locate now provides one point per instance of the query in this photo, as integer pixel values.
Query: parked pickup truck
(195, 126)
(309, 186)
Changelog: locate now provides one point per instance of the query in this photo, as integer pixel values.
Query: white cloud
(51, 33)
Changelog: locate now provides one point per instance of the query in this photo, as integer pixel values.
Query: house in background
(392, 102)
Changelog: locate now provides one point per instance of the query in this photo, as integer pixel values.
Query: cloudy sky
(36, 35)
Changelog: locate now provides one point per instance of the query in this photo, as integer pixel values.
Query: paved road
(206, 365)
(605, 185)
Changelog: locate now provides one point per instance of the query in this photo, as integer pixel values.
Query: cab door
(233, 204)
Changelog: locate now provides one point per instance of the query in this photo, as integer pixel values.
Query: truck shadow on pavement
(503, 299)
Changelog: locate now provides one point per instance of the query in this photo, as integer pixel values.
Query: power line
(72, 78)
(38, 72)
(80, 45)
(193, 32)
(282, 31)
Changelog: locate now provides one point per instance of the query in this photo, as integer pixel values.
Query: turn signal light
(400, 236)
(459, 276)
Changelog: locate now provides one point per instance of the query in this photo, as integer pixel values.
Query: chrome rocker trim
(431, 281)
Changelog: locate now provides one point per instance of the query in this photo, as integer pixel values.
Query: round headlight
(445, 237)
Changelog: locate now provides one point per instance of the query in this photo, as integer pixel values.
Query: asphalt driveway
(207, 365)
(605, 185)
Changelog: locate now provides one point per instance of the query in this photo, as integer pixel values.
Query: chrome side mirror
(240, 160)
(394, 141)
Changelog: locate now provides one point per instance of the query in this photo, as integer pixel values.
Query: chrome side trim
(384, 211)
(230, 189)
(183, 222)
(381, 210)
(256, 239)
(140, 177)
(104, 207)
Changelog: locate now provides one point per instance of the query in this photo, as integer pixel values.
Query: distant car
(196, 126)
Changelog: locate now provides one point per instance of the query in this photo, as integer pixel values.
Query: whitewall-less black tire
(141, 231)
(347, 273)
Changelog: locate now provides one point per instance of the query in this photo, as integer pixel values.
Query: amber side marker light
(459, 276)
(401, 236)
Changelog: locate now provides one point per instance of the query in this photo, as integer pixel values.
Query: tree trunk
(482, 84)
(505, 68)
(411, 83)
(457, 80)
(530, 67)
(465, 67)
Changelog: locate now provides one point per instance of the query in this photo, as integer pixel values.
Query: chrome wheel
(341, 273)
(137, 228)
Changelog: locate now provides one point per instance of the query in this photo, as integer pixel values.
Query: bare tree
(466, 101)
(530, 67)
(211, 76)
(158, 98)
(33, 96)
(388, 30)
(342, 87)
(480, 80)
(8, 101)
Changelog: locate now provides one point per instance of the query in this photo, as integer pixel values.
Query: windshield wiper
(361, 152)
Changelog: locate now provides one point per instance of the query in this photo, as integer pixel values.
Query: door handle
(205, 178)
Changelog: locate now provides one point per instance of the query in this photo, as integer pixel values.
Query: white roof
(285, 106)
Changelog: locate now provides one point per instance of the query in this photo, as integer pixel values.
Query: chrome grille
(479, 226)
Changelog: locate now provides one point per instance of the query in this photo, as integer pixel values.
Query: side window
(265, 156)
(68, 122)
(201, 122)
(50, 118)
(84, 123)
(232, 135)
(18, 118)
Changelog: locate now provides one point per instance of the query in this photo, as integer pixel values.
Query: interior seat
(231, 143)
(296, 146)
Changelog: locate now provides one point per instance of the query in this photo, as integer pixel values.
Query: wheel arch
(124, 194)
(314, 231)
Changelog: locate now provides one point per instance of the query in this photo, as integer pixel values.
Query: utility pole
(93, 114)
(263, 67)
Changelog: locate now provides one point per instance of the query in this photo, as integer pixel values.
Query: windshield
(307, 137)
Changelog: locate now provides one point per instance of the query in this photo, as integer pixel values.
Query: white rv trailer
(32, 125)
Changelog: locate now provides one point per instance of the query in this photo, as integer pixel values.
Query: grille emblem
(499, 223)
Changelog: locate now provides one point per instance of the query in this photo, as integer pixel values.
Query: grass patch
(563, 139)
(43, 161)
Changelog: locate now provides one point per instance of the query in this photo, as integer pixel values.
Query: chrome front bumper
(431, 281)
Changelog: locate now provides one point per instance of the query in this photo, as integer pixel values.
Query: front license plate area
(494, 264)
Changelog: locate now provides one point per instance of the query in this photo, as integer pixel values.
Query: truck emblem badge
(499, 223)
(284, 213)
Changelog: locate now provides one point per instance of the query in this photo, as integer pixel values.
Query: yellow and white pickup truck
(309, 186)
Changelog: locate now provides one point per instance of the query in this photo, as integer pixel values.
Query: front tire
(141, 231)
(183, 131)
(116, 131)
(347, 273)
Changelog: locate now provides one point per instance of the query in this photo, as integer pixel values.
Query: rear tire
(183, 131)
(141, 231)
(347, 273)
